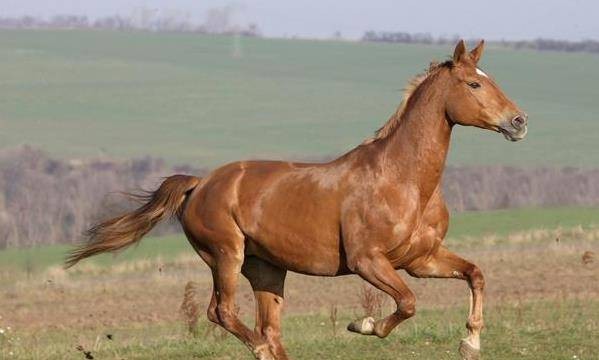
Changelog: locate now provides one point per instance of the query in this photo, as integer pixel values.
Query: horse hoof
(364, 326)
(262, 352)
(468, 351)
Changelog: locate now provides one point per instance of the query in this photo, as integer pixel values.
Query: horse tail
(127, 229)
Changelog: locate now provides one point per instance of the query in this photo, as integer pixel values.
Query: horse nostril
(519, 121)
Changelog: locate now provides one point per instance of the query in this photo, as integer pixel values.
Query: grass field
(537, 330)
(186, 98)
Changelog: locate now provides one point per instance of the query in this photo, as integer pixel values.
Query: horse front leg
(377, 270)
(445, 264)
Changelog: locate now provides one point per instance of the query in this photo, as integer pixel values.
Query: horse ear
(459, 52)
(477, 52)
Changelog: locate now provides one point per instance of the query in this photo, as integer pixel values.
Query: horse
(374, 210)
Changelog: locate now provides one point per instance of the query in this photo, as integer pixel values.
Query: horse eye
(474, 85)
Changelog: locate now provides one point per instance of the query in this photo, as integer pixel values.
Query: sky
(492, 20)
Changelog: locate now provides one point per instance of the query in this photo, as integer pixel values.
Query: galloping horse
(374, 210)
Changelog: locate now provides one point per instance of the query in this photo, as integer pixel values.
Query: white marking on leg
(262, 352)
(473, 338)
(471, 307)
(363, 326)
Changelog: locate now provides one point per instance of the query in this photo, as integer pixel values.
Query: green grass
(533, 330)
(185, 98)
(504, 222)
(471, 224)
(39, 258)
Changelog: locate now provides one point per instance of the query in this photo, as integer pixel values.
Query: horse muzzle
(516, 128)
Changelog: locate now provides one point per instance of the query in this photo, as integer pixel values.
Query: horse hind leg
(377, 270)
(225, 263)
(268, 284)
(209, 260)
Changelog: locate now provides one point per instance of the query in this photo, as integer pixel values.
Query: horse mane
(413, 84)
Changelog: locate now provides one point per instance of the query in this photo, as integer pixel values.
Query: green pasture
(505, 222)
(206, 100)
(534, 330)
(463, 225)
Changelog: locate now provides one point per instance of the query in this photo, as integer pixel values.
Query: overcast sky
(508, 19)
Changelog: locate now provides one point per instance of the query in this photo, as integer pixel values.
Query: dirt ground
(147, 292)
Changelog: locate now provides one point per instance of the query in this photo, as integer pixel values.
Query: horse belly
(299, 254)
(299, 236)
(290, 220)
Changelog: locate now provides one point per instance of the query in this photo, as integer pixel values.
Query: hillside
(207, 100)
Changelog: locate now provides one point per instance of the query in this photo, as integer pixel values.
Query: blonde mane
(410, 88)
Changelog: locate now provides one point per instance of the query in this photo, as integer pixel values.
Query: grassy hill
(208, 100)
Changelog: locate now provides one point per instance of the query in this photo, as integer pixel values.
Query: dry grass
(145, 294)
(187, 261)
(146, 291)
(537, 236)
(333, 314)
(588, 257)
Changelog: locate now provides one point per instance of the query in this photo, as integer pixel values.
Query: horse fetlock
(270, 333)
(363, 326)
(474, 325)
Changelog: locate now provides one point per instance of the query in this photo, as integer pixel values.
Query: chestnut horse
(374, 210)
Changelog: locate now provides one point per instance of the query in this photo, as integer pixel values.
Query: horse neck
(417, 149)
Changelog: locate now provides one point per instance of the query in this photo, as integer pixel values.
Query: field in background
(205, 100)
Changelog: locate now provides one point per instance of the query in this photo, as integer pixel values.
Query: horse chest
(402, 227)
(382, 223)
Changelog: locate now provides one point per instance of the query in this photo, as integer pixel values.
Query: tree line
(44, 200)
(216, 21)
(540, 44)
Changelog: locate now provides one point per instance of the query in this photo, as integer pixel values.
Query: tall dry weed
(190, 307)
(371, 301)
(333, 318)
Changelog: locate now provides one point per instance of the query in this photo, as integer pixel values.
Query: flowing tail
(125, 230)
